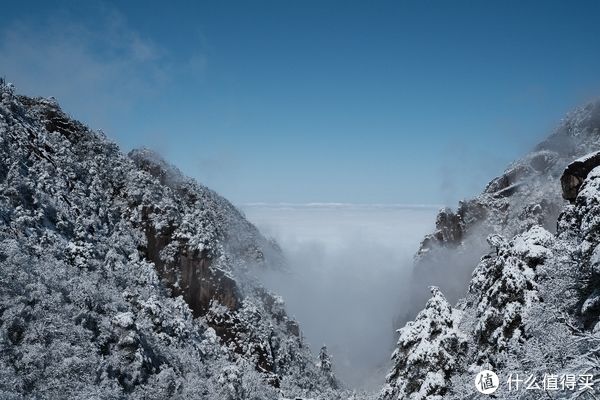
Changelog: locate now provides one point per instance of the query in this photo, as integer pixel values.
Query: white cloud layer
(350, 265)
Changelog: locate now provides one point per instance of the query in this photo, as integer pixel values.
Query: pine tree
(503, 290)
(324, 360)
(427, 353)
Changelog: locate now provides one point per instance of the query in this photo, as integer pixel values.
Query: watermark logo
(551, 382)
(487, 382)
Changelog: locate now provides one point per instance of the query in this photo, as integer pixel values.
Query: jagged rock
(510, 181)
(449, 229)
(293, 328)
(451, 226)
(188, 272)
(575, 173)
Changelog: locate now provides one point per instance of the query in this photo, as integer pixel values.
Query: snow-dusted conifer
(428, 351)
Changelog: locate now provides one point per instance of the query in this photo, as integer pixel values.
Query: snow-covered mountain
(121, 278)
(528, 193)
(523, 261)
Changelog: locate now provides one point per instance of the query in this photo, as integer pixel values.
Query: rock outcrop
(576, 172)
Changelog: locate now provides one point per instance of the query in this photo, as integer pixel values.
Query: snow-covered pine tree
(324, 359)
(427, 352)
(326, 366)
(503, 289)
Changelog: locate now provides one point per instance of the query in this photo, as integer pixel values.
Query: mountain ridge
(528, 192)
(530, 306)
(122, 278)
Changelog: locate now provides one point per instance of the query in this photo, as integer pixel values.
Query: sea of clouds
(349, 270)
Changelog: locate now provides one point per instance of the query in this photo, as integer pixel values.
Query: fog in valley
(349, 270)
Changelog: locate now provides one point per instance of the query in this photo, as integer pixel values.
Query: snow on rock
(534, 245)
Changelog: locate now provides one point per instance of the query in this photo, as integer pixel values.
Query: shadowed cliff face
(196, 272)
(190, 274)
(575, 174)
(209, 291)
(186, 271)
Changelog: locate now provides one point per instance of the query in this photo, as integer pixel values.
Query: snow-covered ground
(349, 264)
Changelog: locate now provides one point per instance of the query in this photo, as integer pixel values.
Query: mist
(348, 280)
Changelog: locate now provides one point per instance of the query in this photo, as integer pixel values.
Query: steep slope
(528, 193)
(532, 305)
(121, 278)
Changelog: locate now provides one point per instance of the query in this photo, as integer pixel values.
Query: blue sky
(324, 101)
